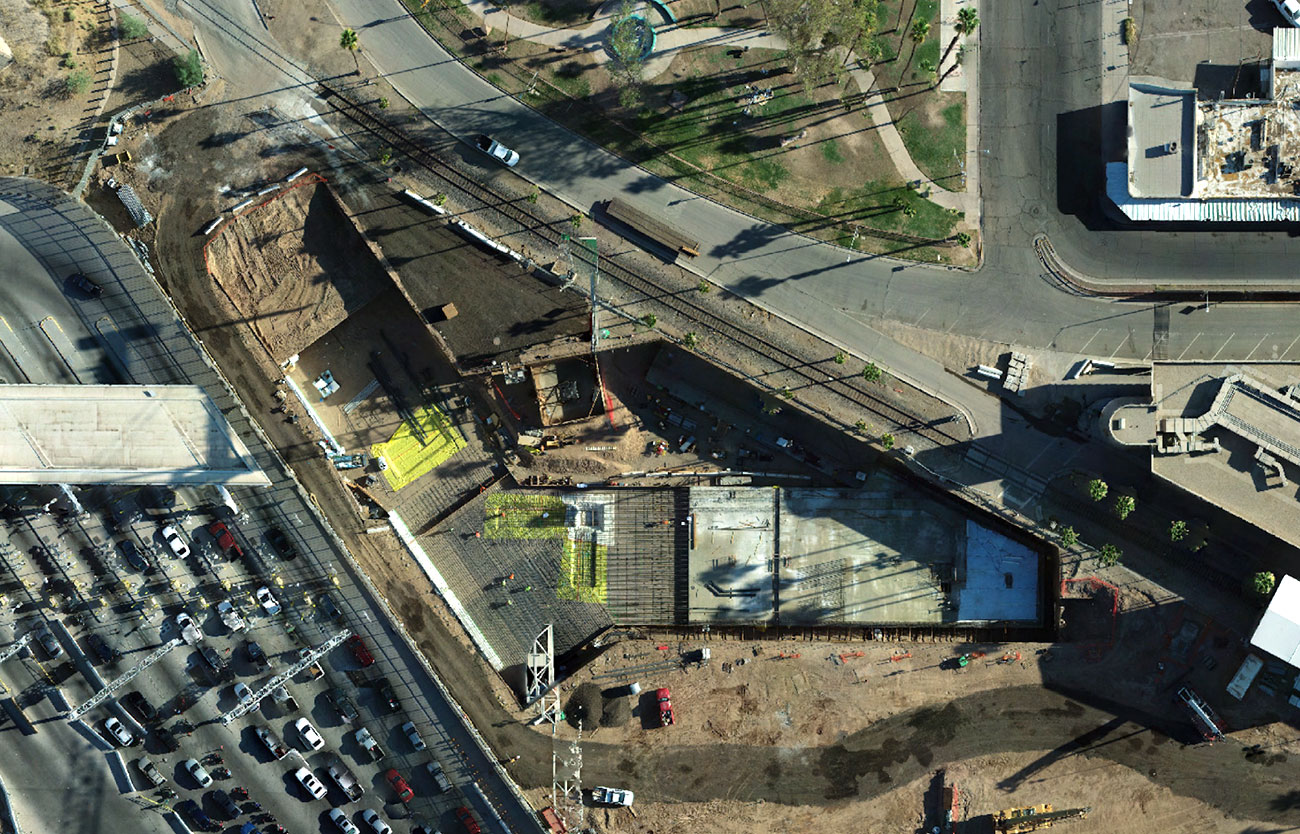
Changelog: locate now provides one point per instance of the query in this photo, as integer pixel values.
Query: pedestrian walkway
(671, 38)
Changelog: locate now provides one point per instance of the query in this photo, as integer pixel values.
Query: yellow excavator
(1019, 820)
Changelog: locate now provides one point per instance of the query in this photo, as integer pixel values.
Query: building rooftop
(1278, 632)
(119, 434)
(1162, 125)
(732, 548)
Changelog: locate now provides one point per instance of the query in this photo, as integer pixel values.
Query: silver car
(194, 769)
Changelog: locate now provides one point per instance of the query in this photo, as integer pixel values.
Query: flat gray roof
(732, 546)
(1158, 116)
(119, 434)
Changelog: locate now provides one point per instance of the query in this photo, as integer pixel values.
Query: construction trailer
(1206, 721)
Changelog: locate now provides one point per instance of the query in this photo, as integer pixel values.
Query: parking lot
(89, 576)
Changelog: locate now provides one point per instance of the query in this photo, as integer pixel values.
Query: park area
(722, 109)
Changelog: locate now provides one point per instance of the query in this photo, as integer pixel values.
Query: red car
(404, 791)
(359, 650)
(666, 716)
(225, 539)
(467, 820)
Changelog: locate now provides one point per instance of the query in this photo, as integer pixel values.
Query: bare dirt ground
(293, 268)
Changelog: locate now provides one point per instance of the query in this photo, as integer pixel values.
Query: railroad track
(794, 368)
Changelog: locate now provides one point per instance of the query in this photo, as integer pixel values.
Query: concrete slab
(121, 434)
(731, 553)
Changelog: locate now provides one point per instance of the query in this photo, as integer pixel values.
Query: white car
(230, 615)
(189, 631)
(1290, 9)
(309, 783)
(121, 734)
(496, 150)
(242, 693)
(309, 735)
(411, 733)
(272, 743)
(173, 538)
(341, 820)
(371, 818)
(612, 796)
(194, 769)
(268, 601)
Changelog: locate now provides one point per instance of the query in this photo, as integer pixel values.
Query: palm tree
(920, 31)
(967, 20)
(348, 40)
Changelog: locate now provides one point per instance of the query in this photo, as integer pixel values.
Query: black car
(342, 704)
(226, 804)
(105, 651)
(134, 557)
(256, 656)
(388, 695)
(201, 821)
(282, 544)
(328, 608)
(79, 281)
(166, 738)
(213, 661)
(140, 705)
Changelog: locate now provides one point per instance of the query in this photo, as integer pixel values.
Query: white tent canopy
(1279, 629)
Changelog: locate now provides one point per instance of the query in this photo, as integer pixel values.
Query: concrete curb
(9, 809)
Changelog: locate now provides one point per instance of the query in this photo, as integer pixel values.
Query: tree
(967, 20)
(920, 31)
(576, 222)
(861, 426)
(887, 440)
(349, 41)
(840, 357)
(1125, 504)
(964, 239)
(704, 287)
(690, 340)
(1097, 489)
(629, 59)
(132, 27)
(822, 35)
(1110, 555)
(1177, 531)
(383, 103)
(1069, 538)
(871, 373)
(189, 69)
(1263, 583)
(649, 319)
(385, 156)
(77, 82)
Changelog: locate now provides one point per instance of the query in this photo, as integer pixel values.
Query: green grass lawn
(938, 152)
(874, 202)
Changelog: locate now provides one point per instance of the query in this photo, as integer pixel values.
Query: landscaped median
(739, 125)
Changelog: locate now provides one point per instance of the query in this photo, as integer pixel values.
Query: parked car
(281, 543)
(368, 743)
(174, 541)
(399, 785)
(104, 650)
(309, 783)
(359, 650)
(230, 615)
(467, 820)
(413, 735)
(118, 732)
(53, 649)
(327, 607)
(267, 600)
(342, 704)
(213, 660)
(371, 818)
(255, 654)
(496, 150)
(286, 701)
(198, 819)
(345, 779)
(342, 822)
(611, 796)
(243, 694)
(188, 629)
(388, 695)
(150, 771)
(140, 705)
(166, 738)
(226, 804)
(439, 777)
(665, 698)
(197, 773)
(310, 737)
(272, 742)
(80, 281)
(225, 540)
(134, 557)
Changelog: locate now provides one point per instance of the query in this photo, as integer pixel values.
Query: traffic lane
(242, 50)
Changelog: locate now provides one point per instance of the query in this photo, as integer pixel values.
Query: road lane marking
(1221, 347)
(1288, 347)
(1090, 338)
(1189, 346)
(1257, 344)
(923, 315)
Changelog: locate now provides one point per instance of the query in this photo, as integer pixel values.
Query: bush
(887, 440)
(586, 704)
(1097, 489)
(1129, 31)
(704, 287)
(189, 69)
(690, 340)
(649, 319)
(383, 103)
(130, 26)
(1124, 505)
(1263, 583)
(1110, 555)
(1069, 538)
(78, 82)
(871, 373)
(840, 357)
(1177, 531)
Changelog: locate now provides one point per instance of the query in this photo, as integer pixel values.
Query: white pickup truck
(496, 150)
(611, 796)
(230, 615)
